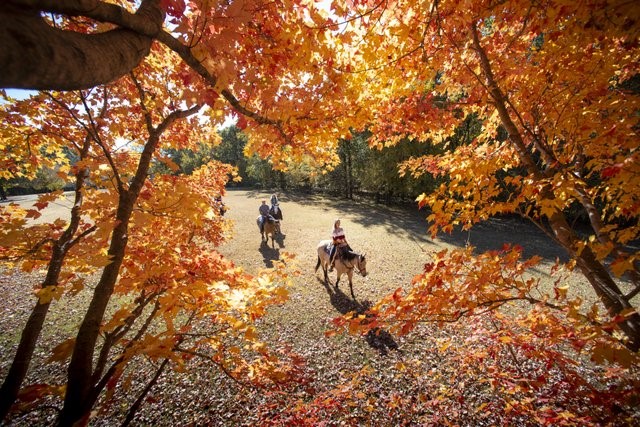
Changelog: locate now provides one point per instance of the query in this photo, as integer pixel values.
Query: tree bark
(22, 359)
(80, 396)
(31, 331)
(81, 366)
(35, 55)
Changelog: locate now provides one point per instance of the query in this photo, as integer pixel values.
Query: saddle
(340, 251)
(271, 219)
(268, 218)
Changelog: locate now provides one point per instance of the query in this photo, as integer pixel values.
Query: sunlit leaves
(505, 330)
(174, 297)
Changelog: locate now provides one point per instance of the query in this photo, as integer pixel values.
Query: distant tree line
(362, 171)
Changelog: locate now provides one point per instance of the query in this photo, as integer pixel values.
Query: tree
(231, 149)
(59, 243)
(237, 48)
(487, 56)
(548, 84)
(147, 240)
(520, 67)
(553, 76)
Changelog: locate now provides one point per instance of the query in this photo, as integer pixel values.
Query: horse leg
(325, 268)
(350, 275)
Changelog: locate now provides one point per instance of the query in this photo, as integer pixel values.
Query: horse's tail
(318, 264)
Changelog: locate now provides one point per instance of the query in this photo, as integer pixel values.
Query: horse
(275, 211)
(346, 263)
(271, 227)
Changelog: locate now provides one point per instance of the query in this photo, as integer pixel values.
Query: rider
(275, 207)
(339, 241)
(264, 214)
(220, 205)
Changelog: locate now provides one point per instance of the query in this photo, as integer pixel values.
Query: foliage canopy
(541, 94)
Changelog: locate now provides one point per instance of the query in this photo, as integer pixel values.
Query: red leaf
(173, 7)
(32, 213)
(428, 267)
(210, 97)
(41, 205)
(242, 122)
(611, 171)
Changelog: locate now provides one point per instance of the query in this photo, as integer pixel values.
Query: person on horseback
(275, 210)
(264, 214)
(339, 242)
(220, 205)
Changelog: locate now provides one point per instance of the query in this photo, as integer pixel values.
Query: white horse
(346, 264)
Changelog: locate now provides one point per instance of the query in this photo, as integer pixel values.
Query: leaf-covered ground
(397, 245)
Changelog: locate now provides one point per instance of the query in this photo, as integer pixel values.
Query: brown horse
(271, 227)
(346, 263)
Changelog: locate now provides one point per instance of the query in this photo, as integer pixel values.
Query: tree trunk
(595, 272)
(350, 174)
(80, 368)
(35, 55)
(31, 332)
(22, 359)
(600, 279)
(81, 394)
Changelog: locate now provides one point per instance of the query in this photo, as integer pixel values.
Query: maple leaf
(62, 351)
(41, 205)
(175, 8)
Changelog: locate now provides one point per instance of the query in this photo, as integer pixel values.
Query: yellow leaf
(250, 334)
(62, 351)
(48, 293)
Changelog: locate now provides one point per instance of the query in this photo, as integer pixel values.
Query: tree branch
(35, 55)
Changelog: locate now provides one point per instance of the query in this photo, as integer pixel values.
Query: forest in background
(369, 172)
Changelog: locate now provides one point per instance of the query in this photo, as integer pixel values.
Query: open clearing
(397, 245)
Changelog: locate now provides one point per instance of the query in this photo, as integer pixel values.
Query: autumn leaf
(62, 351)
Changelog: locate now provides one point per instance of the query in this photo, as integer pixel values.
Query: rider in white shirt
(339, 242)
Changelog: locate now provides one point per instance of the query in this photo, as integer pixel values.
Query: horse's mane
(349, 255)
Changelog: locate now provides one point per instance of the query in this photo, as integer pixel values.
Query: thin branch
(142, 96)
(81, 236)
(138, 403)
(185, 53)
(218, 364)
(97, 389)
(348, 20)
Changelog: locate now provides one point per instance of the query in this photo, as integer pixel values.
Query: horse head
(362, 265)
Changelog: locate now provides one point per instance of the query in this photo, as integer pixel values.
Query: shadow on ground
(377, 338)
(269, 254)
(411, 223)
